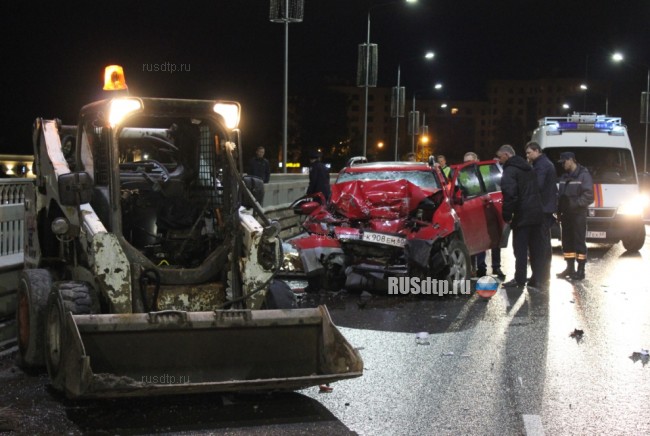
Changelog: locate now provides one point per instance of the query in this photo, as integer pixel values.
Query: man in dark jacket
(576, 194)
(259, 167)
(522, 208)
(547, 183)
(319, 177)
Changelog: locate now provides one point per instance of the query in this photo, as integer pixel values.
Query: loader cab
(159, 172)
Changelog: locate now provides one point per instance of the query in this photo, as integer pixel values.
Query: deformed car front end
(384, 220)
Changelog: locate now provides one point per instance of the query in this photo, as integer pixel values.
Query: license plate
(381, 238)
(596, 235)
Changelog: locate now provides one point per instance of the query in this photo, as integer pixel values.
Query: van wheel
(33, 290)
(458, 262)
(65, 297)
(635, 241)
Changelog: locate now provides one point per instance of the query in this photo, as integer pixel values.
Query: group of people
(532, 198)
(319, 177)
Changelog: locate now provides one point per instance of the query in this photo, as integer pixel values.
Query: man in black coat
(259, 167)
(522, 208)
(547, 183)
(576, 194)
(319, 176)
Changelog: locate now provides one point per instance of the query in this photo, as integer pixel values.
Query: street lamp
(365, 50)
(645, 97)
(286, 11)
(398, 99)
(414, 126)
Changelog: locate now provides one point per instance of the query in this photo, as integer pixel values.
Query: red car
(399, 219)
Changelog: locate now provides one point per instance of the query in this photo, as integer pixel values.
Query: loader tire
(33, 290)
(65, 297)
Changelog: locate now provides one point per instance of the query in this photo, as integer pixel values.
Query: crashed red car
(399, 219)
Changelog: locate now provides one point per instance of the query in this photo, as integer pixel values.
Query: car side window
(469, 181)
(491, 175)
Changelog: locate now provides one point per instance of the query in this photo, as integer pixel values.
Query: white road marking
(533, 425)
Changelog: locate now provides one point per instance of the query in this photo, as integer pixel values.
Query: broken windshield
(422, 179)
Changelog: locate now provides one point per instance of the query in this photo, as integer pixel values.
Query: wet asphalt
(508, 365)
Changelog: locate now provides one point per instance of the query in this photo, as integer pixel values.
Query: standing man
(576, 194)
(319, 176)
(259, 167)
(442, 161)
(522, 208)
(547, 183)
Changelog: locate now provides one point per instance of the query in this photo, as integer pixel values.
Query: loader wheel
(458, 262)
(65, 297)
(33, 290)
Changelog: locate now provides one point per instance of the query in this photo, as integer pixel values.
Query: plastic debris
(577, 333)
(422, 338)
(643, 355)
(325, 389)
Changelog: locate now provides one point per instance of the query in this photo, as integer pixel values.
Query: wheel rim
(458, 265)
(54, 337)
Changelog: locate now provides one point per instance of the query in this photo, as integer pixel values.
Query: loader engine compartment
(171, 189)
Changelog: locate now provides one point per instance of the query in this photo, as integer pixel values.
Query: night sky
(54, 53)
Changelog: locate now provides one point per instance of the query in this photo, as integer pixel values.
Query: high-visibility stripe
(569, 255)
(598, 195)
(581, 256)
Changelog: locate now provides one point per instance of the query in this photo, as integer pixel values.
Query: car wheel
(458, 261)
(635, 241)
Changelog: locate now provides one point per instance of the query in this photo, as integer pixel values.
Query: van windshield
(606, 165)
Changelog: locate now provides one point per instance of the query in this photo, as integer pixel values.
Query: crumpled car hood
(393, 199)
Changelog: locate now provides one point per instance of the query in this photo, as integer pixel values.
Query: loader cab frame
(159, 174)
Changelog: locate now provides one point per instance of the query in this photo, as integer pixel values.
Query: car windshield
(422, 179)
(606, 165)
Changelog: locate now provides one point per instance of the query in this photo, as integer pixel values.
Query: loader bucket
(175, 352)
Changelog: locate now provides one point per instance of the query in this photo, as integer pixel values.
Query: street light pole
(366, 82)
(365, 112)
(646, 101)
(397, 111)
(284, 11)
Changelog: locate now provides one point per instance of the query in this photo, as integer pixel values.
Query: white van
(601, 144)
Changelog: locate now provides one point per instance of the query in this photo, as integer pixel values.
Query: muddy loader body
(148, 261)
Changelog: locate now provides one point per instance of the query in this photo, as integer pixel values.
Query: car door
(473, 205)
(490, 172)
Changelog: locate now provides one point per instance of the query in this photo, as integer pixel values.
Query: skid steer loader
(144, 272)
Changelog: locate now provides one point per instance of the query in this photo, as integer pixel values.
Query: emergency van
(601, 144)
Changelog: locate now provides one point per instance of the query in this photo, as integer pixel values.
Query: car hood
(359, 199)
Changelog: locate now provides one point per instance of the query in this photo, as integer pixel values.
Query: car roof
(387, 166)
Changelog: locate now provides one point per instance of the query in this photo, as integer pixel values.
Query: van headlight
(635, 206)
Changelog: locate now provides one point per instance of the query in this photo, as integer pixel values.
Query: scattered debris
(643, 355)
(441, 316)
(571, 301)
(577, 333)
(448, 353)
(325, 389)
(347, 404)
(465, 355)
(360, 348)
(422, 338)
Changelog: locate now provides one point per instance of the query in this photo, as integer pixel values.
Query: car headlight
(635, 206)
